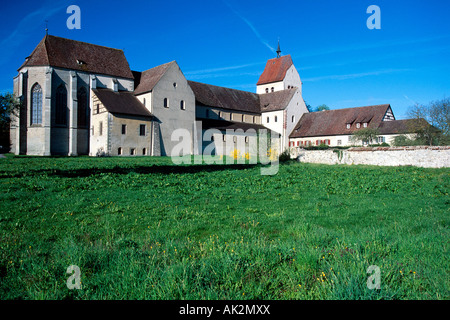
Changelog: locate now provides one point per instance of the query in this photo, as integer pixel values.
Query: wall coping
(410, 148)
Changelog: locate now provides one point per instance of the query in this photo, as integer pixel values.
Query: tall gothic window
(61, 106)
(36, 104)
(82, 107)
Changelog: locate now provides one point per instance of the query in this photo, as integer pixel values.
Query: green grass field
(142, 228)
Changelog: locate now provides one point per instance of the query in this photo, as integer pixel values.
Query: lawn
(143, 228)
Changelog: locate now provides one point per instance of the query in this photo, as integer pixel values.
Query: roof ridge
(352, 108)
(83, 42)
(40, 45)
(67, 53)
(228, 88)
(158, 66)
(275, 70)
(150, 77)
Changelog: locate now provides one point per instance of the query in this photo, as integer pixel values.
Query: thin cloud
(222, 75)
(353, 75)
(252, 27)
(215, 70)
(373, 45)
(224, 72)
(26, 27)
(409, 99)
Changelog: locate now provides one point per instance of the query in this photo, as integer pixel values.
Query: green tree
(9, 105)
(403, 140)
(439, 115)
(430, 123)
(368, 135)
(308, 106)
(322, 107)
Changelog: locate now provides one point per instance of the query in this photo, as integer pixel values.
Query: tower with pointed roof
(279, 74)
(280, 81)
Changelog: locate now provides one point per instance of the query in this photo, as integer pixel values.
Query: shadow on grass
(152, 169)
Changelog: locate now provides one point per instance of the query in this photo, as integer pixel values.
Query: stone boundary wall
(419, 156)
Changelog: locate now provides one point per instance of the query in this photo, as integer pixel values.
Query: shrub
(285, 156)
(102, 153)
(321, 146)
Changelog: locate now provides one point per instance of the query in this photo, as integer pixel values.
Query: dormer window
(358, 125)
(348, 125)
(80, 62)
(365, 124)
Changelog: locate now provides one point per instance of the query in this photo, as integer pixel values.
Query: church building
(83, 99)
(79, 98)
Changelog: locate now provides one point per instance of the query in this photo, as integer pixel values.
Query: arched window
(82, 107)
(36, 104)
(61, 106)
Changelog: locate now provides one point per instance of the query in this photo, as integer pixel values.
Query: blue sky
(227, 43)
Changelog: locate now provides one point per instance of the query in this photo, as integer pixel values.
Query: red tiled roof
(334, 122)
(149, 78)
(75, 55)
(122, 102)
(275, 70)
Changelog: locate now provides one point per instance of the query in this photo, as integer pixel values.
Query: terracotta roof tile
(75, 55)
(275, 70)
